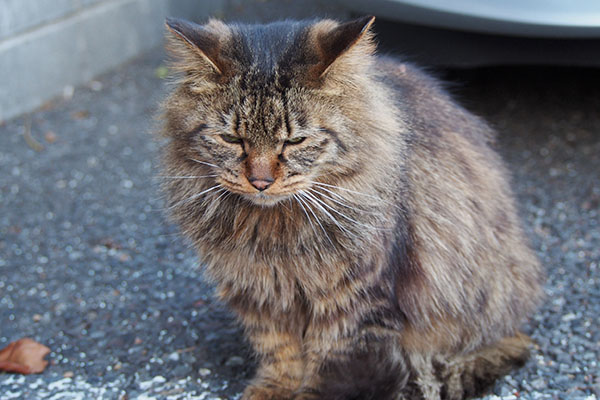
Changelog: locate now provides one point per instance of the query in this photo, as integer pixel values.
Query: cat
(354, 217)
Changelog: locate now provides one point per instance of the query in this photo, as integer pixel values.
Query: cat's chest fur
(276, 257)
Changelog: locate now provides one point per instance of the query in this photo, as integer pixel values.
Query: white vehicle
(484, 32)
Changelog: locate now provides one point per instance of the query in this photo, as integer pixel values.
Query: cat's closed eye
(231, 139)
(296, 140)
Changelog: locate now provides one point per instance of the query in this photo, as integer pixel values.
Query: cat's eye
(231, 139)
(296, 140)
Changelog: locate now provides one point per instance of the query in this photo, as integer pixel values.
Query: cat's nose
(262, 183)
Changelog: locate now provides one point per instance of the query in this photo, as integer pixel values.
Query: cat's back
(462, 211)
(426, 106)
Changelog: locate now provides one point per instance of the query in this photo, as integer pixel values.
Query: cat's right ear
(198, 48)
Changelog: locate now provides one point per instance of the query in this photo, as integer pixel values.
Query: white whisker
(340, 202)
(301, 201)
(193, 197)
(305, 213)
(332, 193)
(324, 186)
(225, 193)
(344, 189)
(187, 177)
(205, 163)
(309, 197)
(339, 213)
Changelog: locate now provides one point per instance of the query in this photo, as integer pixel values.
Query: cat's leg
(465, 376)
(320, 349)
(367, 365)
(425, 380)
(281, 366)
(471, 375)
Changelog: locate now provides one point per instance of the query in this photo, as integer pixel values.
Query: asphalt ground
(90, 267)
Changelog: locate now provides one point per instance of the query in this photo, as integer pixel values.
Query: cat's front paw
(263, 393)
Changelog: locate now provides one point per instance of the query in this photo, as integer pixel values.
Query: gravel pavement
(90, 268)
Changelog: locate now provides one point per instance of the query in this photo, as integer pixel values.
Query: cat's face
(263, 151)
(254, 109)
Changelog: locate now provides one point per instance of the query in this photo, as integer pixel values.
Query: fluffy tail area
(385, 372)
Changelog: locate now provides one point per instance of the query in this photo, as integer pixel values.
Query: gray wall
(49, 45)
(46, 45)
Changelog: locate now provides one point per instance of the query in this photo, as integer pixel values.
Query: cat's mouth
(268, 197)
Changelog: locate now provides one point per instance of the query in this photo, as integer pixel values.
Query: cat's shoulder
(399, 73)
(427, 102)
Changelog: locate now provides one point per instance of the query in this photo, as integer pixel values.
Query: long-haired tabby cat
(352, 214)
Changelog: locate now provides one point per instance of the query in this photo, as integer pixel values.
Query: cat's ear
(333, 40)
(198, 48)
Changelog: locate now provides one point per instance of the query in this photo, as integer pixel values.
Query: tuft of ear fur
(332, 41)
(198, 48)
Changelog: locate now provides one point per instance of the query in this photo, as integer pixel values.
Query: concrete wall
(47, 45)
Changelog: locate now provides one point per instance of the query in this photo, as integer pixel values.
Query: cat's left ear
(198, 48)
(332, 41)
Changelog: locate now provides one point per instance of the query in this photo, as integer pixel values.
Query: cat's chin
(265, 200)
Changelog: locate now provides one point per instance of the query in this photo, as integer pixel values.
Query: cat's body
(349, 211)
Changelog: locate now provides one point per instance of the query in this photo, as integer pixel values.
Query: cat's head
(268, 109)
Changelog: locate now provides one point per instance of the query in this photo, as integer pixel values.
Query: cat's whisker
(212, 200)
(324, 186)
(225, 193)
(210, 197)
(187, 177)
(331, 192)
(311, 199)
(205, 163)
(286, 207)
(305, 213)
(313, 190)
(342, 214)
(345, 189)
(300, 200)
(193, 197)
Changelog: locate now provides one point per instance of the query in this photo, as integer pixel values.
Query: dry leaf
(25, 356)
(50, 137)
(29, 139)
(83, 114)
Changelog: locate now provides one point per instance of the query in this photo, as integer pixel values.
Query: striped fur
(385, 260)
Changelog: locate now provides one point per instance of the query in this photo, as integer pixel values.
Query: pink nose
(261, 184)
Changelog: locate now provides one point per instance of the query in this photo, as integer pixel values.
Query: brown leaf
(50, 137)
(25, 356)
(82, 114)
(29, 139)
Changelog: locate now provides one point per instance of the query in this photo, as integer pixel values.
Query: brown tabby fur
(385, 260)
